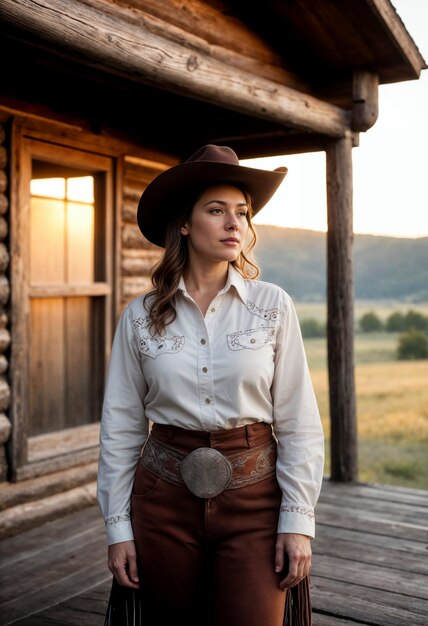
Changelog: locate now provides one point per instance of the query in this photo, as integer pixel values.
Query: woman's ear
(184, 229)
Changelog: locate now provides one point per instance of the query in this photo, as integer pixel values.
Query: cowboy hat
(165, 197)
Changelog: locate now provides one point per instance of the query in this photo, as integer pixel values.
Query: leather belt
(207, 472)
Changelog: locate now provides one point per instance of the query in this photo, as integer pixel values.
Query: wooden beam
(24, 492)
(340, 321)
(365, 100)
(250, 146)
(253, 145)
(67, 291)
(396, 30)
(109, 38)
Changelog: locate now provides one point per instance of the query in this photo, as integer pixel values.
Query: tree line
(412, 326)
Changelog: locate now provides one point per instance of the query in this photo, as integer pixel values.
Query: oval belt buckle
(206, 472)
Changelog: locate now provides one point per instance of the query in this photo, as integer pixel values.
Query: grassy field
(392, 402)
(368, 348)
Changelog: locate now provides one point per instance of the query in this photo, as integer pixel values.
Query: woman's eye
(215, 211)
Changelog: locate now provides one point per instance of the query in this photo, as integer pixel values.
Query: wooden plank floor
(370, 563)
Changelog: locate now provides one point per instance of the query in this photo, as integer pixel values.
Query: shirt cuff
(296, 519)
(119, 529)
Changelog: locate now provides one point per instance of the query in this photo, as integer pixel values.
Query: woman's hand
(299, 551)
(122, 562)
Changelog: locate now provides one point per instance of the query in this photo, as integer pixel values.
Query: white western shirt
(242, 363)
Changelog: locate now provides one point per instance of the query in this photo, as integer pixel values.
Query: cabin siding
(5, 423)
(138, 255)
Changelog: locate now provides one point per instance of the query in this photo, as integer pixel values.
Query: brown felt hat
(166, 196)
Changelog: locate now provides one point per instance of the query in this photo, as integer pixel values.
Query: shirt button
(252, 341)
(205, 370)
(207, 401)
(203, 342)
(213, 310)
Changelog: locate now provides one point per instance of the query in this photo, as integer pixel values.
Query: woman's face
(218, 225)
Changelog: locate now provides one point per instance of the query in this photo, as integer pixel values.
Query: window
(64, 229)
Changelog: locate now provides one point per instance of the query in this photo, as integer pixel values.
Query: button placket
(213, 314)
(205, 381)
(213, 307)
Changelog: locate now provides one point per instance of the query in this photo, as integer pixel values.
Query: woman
(213, 521)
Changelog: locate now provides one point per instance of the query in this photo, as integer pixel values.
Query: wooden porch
(370, 564)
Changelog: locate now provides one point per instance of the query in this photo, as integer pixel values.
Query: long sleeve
(124, 429)
(298, 428)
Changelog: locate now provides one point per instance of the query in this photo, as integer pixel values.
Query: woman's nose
(232, 224)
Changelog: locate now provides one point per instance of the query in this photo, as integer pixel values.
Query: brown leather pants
(209, 562)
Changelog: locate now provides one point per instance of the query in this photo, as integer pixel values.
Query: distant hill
(384, 267)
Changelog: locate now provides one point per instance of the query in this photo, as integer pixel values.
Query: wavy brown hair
(166, 274)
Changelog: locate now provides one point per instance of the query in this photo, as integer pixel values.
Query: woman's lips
(230, 242)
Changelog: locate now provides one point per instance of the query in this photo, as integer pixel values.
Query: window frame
(25, 458)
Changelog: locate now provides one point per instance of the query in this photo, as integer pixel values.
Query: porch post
(340, 319)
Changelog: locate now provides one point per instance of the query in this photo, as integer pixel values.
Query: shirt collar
(234, 279)
(182, 285)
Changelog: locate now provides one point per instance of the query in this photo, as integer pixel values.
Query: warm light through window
(48, 187)
(62, 230)
(81, 189)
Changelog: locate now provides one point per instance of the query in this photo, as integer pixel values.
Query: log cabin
(96, 98)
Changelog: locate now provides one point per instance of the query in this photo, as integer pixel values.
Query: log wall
(5, 424)
(137, 255)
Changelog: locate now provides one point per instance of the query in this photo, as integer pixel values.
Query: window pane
(62, 233)
(80, 243)
(81, 189)
(47, 239)
(48, 187)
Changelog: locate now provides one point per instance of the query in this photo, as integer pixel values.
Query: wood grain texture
(30, 514)
(403, 40)
(365, 97)
(365, 569)
(13, 494)
(340, 320)
(110, 39)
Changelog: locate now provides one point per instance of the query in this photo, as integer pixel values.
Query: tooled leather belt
(207, 472)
